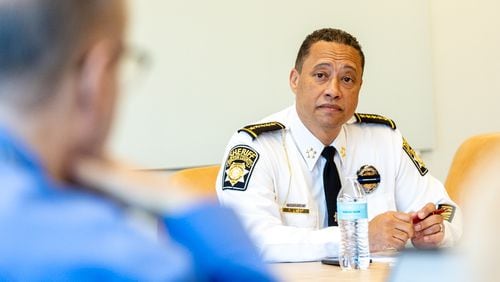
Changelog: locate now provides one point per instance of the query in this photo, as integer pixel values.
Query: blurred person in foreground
(61, 203)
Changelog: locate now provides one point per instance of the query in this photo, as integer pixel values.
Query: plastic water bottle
(352, 216)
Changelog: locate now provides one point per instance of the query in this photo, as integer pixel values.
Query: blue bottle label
(351, 211)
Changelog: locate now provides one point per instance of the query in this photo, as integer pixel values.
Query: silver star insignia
(310, 153)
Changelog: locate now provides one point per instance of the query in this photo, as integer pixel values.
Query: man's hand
(147, 190)
(429, 233)
(390, 230)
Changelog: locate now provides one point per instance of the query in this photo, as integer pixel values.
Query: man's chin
(332, 122)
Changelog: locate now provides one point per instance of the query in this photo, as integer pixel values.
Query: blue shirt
(51, 232)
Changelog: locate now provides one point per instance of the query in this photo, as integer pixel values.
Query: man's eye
(347, 79)
(320, 75)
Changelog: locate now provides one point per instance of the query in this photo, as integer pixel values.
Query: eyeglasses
(135, 64)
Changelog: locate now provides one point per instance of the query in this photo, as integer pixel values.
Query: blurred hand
(147, 190)
(429, 233)
(390, 230)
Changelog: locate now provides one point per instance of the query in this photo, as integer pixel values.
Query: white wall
(221, 64)
(466, 74)
(465, 66)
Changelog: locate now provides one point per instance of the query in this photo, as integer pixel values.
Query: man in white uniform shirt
(273, 172)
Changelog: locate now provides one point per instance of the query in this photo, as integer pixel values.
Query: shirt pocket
(380, 201)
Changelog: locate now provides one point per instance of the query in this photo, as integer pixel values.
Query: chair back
(468, 162)
(199, 179)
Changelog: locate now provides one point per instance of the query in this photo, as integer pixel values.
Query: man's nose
(333, 89)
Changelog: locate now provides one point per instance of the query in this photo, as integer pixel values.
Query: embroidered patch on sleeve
(449, 211)
(238, 168)
(419, 163)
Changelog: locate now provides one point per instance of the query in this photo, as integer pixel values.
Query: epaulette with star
(373, 118)
(255, 130)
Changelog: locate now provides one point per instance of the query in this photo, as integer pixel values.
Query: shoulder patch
(448, 213)
(255, 130)
(419, 163)
(373, 118)
(238, 168)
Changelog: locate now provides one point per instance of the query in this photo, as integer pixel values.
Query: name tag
(295, 208)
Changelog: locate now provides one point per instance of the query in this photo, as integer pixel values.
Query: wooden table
(316, 271)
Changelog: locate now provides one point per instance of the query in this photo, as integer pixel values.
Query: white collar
(309, 146)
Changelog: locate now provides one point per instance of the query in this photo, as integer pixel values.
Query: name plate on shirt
(295, 208)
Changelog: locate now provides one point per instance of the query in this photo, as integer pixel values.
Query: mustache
(331, 106)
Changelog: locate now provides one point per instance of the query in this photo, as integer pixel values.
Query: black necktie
(331, 184)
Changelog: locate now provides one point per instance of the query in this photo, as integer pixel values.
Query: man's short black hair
(328, 35)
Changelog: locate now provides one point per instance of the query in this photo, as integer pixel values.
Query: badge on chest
(368, 178)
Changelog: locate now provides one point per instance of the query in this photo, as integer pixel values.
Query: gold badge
(238, 167)
(236, 173)
(419, 163)
(368, 178)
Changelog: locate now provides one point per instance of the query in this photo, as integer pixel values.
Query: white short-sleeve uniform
(279, 194)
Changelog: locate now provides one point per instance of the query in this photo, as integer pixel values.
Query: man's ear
(90, 101)
(91, 78)
(294, 79)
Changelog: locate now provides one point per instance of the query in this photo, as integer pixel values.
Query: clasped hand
(391, 230)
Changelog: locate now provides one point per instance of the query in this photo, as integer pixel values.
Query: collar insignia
(342, 152)
(311, 153)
